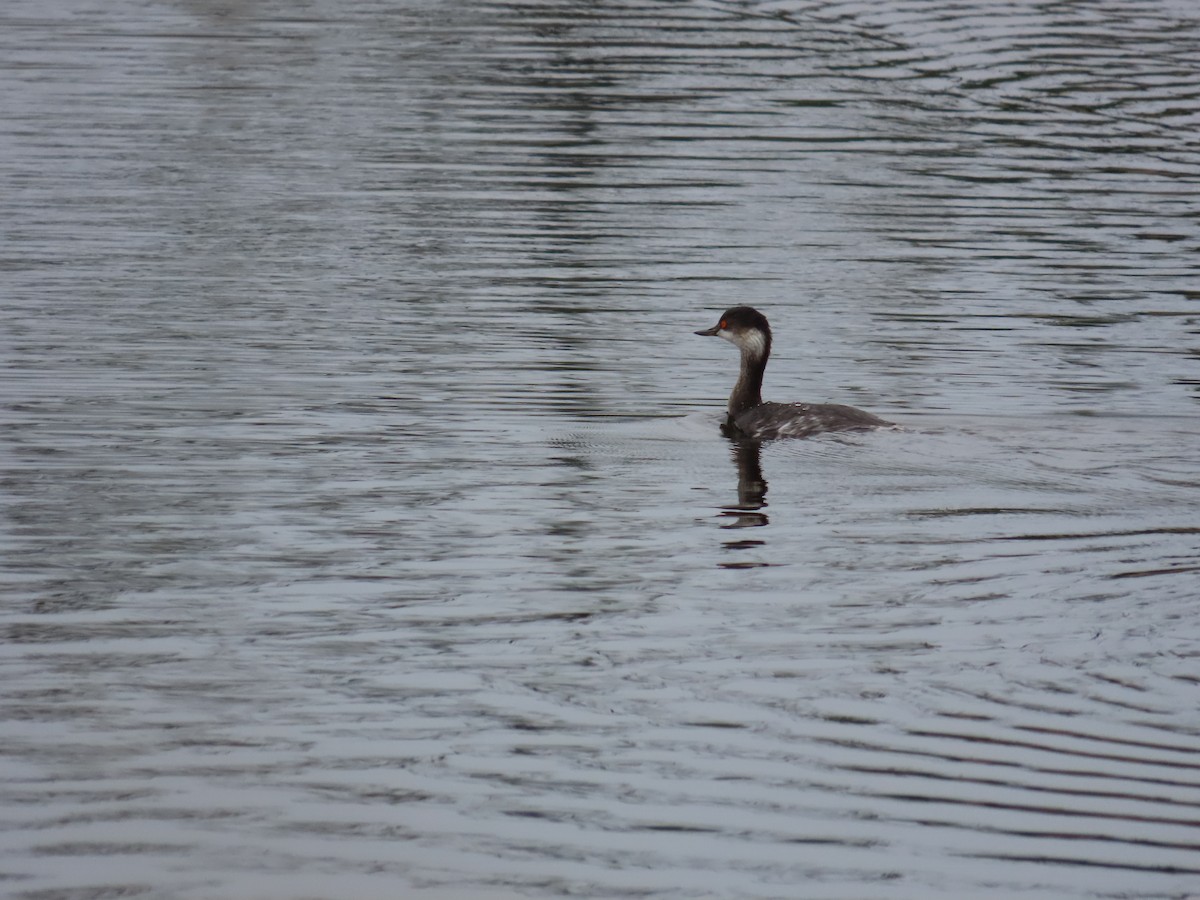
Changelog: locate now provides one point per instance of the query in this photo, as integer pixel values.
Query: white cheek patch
(753, 341)
(756, 342)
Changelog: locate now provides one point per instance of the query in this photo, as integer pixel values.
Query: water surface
(367, 529)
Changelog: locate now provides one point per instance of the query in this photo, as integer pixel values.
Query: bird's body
(768, 421)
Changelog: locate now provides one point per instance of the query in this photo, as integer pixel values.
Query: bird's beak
(709, 332)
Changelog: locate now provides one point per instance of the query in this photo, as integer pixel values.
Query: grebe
(749, 417)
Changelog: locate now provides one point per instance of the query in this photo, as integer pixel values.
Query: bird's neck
(747, 393)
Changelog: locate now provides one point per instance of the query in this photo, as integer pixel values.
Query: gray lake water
(366, 527)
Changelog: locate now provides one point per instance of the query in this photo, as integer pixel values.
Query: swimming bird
(749, 417)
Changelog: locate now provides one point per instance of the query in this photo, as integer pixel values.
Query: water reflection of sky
(366, 505)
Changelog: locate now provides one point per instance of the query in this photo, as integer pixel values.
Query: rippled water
(367, 530)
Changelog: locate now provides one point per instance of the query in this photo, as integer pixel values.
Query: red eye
(723, 325)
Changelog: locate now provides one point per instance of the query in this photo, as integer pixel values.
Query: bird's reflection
(752, 488)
